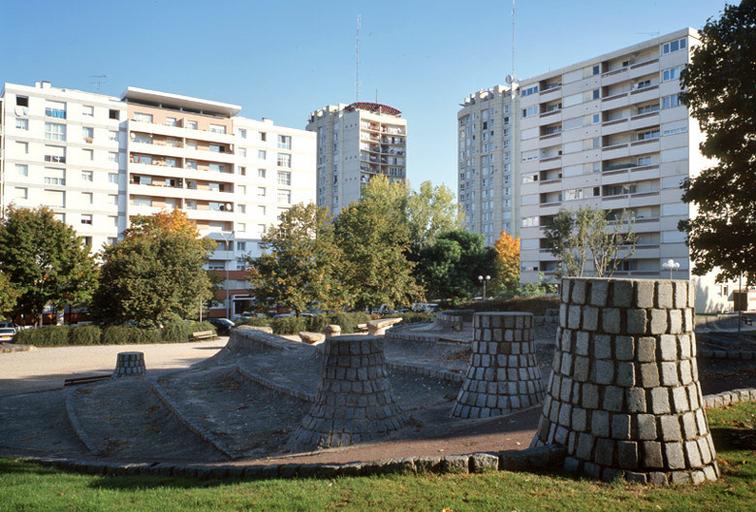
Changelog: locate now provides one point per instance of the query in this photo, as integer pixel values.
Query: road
(47, 368)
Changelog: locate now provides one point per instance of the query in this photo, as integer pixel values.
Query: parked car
(7, 325)
(222, 325)
(7, 334)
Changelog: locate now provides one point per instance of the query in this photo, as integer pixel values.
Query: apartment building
(610, 132)
(97, 161)
(354, 143)
(486, 190)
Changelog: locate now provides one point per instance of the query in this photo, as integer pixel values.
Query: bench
(203, 335)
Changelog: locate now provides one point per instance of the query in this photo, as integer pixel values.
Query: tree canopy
(720, 91)
(430, 211)
(301, 264)
(507, 261)
(155, 273)
(8, 295)
(47, 262)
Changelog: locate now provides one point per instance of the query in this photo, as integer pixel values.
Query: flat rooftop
(179, 102)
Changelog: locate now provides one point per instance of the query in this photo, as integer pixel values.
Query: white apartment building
(486, 190)
(354, 143)
(97, 161)
(610, 132)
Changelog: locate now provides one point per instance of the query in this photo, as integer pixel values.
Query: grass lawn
(29, 487)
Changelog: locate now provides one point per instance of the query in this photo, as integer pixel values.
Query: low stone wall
(624, 396)
(503, 374)
(454, 319)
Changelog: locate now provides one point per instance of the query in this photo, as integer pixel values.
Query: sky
(283, 59)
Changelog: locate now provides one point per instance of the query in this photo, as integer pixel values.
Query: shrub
(49, 336)
(177, 331)
(288, 325)
(125, 334)
(195, 326)
(84, 335)
(317, 323)
(349, 321)
(412, 317)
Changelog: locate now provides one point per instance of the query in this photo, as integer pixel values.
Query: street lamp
(671, 265)
(484, 280)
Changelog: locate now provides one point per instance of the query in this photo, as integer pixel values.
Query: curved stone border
(740, 355)
(73, 420)
(733, 396)
(302, 395)
(203, 433)
(446, 375)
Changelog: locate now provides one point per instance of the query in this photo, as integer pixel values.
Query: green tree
(375, 237)
(577, 237)
(44, 259)
(155, 273)
(301, 264)
(430, 211)
(720, 91)
(450, 266)
(8, 295)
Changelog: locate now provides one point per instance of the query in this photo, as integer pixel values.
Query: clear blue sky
(283, 59)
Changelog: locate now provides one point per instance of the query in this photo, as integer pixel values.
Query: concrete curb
(726, 398)
(73, 420)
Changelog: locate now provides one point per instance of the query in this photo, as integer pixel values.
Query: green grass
(30, 487)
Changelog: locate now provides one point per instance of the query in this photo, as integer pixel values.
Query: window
(261, 210)
(284, 196)
(672, 73)
(530, 111)
(243, 152)
(263, 136)
(87, 111)
(529, 90)
(243, 133)
(596, 69)
(596, 94)
(58, 216)
(671, 101)
(55, 177)
(284, 178)
(674, 46)
(87, 239)
(649, 134)
(22, 101)
(241, 189)
(22, 169)
(284, 141)
(191, 144)
(170, 162)
(596, 118)
(261, 229)
(214, 148)
(171, 121)
(113, 136)
(241, 246)
(22, 123)
(87, 176)
(88, 154)
(216, 167)
(113, 198)
(242, 208)
(242, 170)
(529, 221)
(55, 131)
(111, 239)
(260, 173)
(22, 193)
(241, 227)
(142, 117)
(113, 156)
(88, 133)
(86, 219)
(284, 160)
(141, 201)
(217, 128)
(113, 177)
(23, 147)
(114, 114)
(262, 154)
(573, 194)
(191, 164)
(190, 124)
(260, 191)
(56, 109)
(87, 198)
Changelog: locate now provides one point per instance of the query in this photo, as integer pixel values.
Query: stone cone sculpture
(503, 374)
(624, 397)
(354, 402)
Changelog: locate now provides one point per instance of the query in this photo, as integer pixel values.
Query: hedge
(60, 335)
(317, 323)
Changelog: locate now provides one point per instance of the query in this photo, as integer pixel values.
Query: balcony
(55, 113)
(55, 159)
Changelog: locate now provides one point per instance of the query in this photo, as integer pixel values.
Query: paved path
(47, 368)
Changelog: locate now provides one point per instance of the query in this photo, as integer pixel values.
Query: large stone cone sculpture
(354, 402)
(624, 398)
(503, 374)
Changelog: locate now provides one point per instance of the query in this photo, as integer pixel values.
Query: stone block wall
(624, 397)
(354, 402)
(503, 374)
(129, 364)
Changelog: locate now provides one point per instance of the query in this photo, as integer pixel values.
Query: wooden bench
(203, 335)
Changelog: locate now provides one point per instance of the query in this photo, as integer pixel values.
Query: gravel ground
(47, 368)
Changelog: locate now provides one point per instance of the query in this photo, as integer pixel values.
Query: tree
(576, 237)
(374, 235)
(719, 91)
(508, 261)
(450, 266)
(8, 295)
(46, 261)
(302, 263)
(155, 273)
(430, 211)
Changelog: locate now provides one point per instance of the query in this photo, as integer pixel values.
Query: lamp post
(671, 265)
(483, 281)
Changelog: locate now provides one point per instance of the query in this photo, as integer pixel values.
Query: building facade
(98, 160)
(354, 143)
(610, 132)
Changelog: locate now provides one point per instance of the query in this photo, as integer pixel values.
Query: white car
(7, 334)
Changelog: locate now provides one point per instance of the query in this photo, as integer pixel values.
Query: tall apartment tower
(98, 160)
(610, 132)
(354, 143)
(486, 189)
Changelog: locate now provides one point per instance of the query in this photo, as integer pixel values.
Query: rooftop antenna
(357, 59)
(510, 79)
(98, 80)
